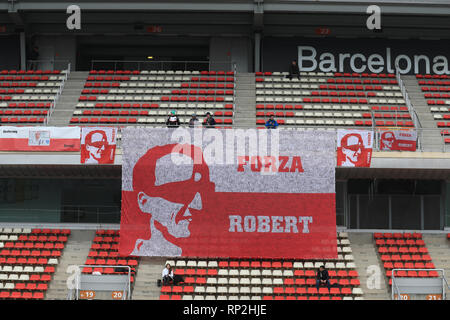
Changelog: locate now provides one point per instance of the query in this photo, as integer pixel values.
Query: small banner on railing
(39, 138)
(396, 139)
(98, 145)
(354, 148)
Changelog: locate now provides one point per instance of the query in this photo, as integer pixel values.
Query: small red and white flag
(398, 139)
(354, 148)
(39, 138)
(98, 145)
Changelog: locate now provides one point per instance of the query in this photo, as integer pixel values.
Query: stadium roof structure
(400, 18)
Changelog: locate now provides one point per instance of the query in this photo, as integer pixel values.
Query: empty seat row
(432, 76)
(161, 72)
(23, 72)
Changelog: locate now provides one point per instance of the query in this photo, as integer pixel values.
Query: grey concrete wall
(9, 52)
(57, 48)
(232, 49)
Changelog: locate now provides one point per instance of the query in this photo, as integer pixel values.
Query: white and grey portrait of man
(173, 195)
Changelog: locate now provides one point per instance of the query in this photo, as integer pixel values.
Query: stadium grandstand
(91, 207)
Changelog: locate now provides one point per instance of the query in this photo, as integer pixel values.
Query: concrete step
(439, 250)
(245, 99)
(249, 86)
(75, 253)
(431, 139)
(366, 260)
(68, 99)
(149, 271)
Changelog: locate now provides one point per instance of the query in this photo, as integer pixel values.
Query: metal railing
(66, 214)
(443, 147)
(126, 287)
(408, 103)
(58, 94)
(48, 64)
(395, 291)
(162, 65)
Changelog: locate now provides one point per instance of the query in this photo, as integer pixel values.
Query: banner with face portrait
(228, 193)
(98, 145)
(397, 139)
(354, 148)
(39, 138)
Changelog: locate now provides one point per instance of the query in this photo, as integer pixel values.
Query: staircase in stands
(69, 98)
(439, 248)
(245, 115)
(431, 140)
(75, 253)
(149, 272)
(366, 260)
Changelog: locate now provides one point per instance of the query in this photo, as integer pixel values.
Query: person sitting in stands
(173, 121)
(193, 122)
(322, 278)
(169, 277)
(271, 123)
(294, 71)
(209, 121)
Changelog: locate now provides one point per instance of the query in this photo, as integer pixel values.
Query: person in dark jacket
(294, 71)
(322, 278)
(168, 276)
(209, 121)
(172, 120)
(34, 56)
(271, 123)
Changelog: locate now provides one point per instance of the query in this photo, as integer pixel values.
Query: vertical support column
(445, 210)
(257, 57)
(357, 211)
(23, 51)
(390, 212)
(422, 214)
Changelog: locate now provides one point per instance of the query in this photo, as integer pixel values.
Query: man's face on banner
(96, 144)
(174, 193)
(172, 211)
(352, 147)
(387, 140)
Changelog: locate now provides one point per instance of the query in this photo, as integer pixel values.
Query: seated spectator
(172, 120)
(209, 121)
(193, 122)
(322, 278)
(169, 277)
(271, 123)
(294, 71)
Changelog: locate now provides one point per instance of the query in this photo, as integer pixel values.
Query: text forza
(308, 60)
(270, 164)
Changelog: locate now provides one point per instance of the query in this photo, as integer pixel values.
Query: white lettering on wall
(309, 60)
(74, 20)
(374, 21)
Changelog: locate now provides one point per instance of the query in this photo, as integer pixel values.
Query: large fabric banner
(398, 139)
(228, 193)
(98, 145)
(354, 148)
(39, 138)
